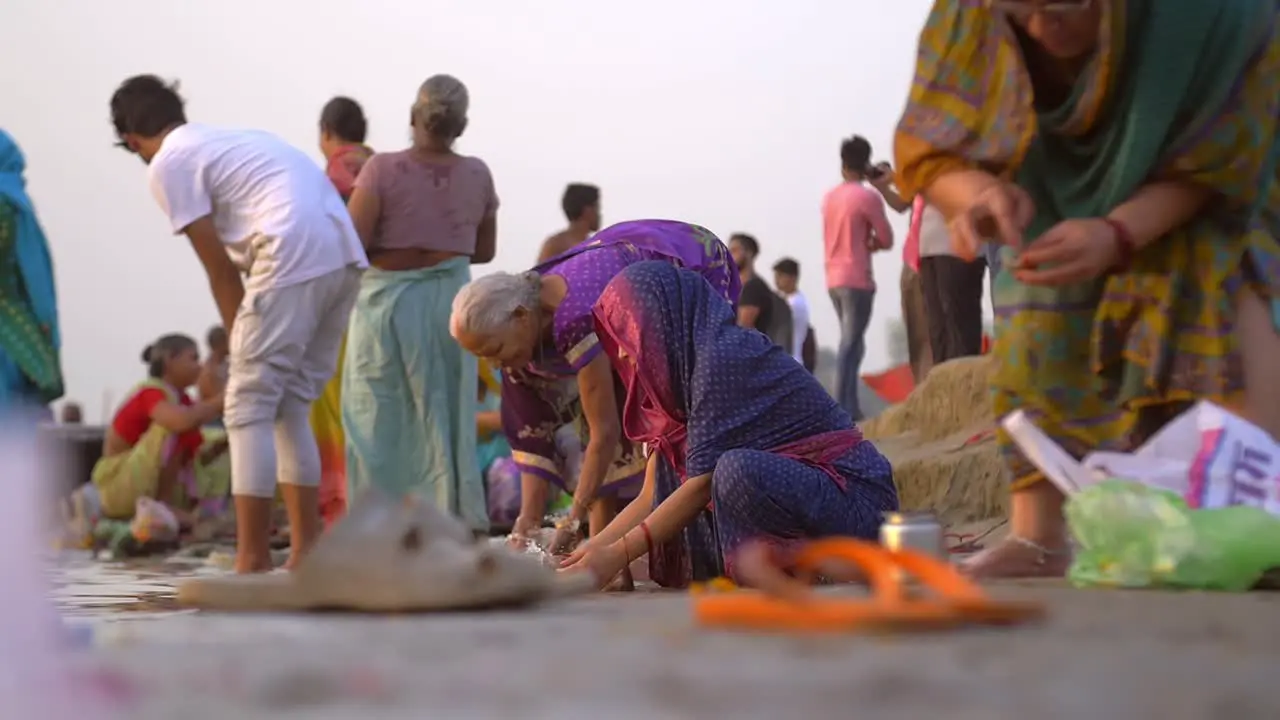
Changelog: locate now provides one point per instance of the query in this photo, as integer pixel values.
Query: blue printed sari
(786, 462)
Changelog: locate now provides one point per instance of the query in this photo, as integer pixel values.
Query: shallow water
(84, 588)
(91, 590)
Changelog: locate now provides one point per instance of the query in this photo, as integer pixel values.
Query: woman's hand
(1076, 250)
(568, 535)
(573, 561)
(1000, 212)
(525, 526)
(211, 409)
(604, 562)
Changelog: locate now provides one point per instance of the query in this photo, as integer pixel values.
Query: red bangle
(1125, 246)
(648, 538)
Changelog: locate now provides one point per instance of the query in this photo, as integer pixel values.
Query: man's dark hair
(343, 118)
(747, 242)
(787, 266)
(577, 198)
(855, 154)
(145, 105)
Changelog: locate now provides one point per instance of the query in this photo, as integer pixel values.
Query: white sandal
(389, 556)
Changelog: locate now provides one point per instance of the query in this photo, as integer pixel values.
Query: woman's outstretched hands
(568, 535)
(1001, 213)
(1072, 251)
(604, 562)
(573, 560)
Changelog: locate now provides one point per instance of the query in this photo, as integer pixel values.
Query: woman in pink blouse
(425, 215)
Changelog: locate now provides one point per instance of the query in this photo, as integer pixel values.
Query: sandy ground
(1099, 655)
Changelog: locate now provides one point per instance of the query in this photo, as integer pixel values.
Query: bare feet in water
(1015, 557)
(253, 565)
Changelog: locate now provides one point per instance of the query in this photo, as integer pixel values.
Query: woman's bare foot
(302, 506)
(253, 525)
(1016, 557)
(1037, 544)
(249, 563)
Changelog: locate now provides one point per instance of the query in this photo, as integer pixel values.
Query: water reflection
(83, 587)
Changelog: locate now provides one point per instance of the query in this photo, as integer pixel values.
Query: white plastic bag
(1238, 463)
(1208, 455)
(153, 522)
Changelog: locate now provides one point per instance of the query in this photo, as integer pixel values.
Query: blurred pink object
(911, 249)
(35, 676)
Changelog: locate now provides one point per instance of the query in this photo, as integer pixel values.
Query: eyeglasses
(1023, 9)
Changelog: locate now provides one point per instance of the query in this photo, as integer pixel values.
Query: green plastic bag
(1132, 535)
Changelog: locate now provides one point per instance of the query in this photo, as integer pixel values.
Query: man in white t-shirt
(786, 277)
(952, 290)
(284, 264)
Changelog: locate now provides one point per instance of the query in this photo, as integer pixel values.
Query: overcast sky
(727, 114)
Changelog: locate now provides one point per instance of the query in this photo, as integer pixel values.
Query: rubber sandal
(389, 556)
(714, 585)
(785, 603)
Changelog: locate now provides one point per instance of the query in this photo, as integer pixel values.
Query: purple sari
(540, 399)
(786, 462)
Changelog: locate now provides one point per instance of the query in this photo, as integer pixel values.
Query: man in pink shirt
(854, 225)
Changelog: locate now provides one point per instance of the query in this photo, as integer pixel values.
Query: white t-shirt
(280, 217)
(935, 237)
(799, 324)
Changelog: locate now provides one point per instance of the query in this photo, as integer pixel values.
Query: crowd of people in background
(395, 264)
(1125, 206)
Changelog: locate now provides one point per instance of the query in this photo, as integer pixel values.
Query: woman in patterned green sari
(1124, 154)
(30, 372)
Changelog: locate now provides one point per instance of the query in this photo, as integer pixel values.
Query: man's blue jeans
(853, 309)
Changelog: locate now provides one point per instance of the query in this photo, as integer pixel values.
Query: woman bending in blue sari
(30, 371)
(743, 443)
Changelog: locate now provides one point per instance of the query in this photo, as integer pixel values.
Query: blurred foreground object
(391, 556)
(35, 681)
(786, 604)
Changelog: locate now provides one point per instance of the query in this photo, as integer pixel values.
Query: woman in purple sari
(539, 327)
(744, 443)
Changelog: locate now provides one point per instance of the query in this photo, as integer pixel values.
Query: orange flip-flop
(784, 603)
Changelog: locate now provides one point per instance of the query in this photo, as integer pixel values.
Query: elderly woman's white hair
(441, 107)
(486, 305)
